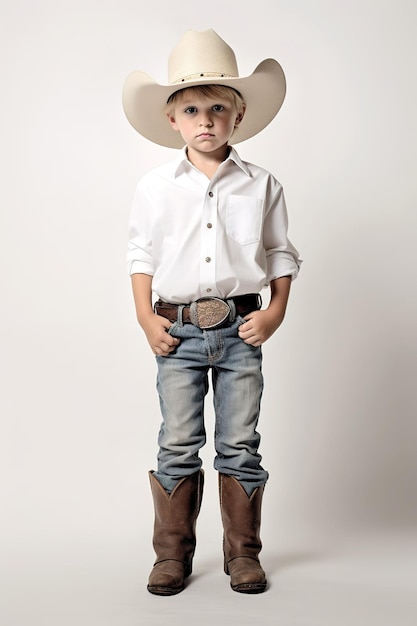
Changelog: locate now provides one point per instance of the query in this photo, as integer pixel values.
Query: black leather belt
(209, 313)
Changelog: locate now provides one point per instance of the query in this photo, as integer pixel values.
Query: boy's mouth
(205, 135)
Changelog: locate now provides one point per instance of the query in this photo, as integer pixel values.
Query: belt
(209, 313)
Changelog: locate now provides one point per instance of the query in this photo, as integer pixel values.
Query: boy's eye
(218, 108)
(190, 110)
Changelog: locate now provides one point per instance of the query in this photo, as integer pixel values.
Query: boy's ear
(239, 116)
(171, 120)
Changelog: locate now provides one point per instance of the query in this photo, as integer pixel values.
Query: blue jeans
(183, 382)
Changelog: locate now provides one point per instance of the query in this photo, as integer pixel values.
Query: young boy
(207, 232)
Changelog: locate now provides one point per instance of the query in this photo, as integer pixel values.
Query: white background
(79, 413)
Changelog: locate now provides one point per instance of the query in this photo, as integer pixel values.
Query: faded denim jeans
(237, 383)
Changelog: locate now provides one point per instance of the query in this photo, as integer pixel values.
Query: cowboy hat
(203, 58)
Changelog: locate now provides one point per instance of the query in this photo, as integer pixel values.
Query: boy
(207, 233)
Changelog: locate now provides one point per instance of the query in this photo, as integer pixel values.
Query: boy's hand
(155, 328)
(259, 327)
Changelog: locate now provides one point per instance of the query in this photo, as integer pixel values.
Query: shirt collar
(233, 156)
(181, 162)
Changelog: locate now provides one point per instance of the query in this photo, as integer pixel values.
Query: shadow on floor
(272, 563)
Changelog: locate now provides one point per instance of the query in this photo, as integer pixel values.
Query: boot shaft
(241, 517)
(175, 517)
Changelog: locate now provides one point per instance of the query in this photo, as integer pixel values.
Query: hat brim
(144, 102)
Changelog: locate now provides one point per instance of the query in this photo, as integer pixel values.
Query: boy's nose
(205, 120)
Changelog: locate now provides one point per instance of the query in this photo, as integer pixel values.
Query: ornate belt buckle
(208, 313)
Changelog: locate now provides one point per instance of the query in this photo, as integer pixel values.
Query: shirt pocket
(244, 219)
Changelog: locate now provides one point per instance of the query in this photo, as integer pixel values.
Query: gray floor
(101, 581)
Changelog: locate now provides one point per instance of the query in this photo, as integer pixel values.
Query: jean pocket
(171, 329)
(244, 219)
(238, 323)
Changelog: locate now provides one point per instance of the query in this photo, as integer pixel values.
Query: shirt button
(211, 194)
(208, 259)
(208, 290)
(209, 225)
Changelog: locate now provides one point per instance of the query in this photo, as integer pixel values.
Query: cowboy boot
(174, 532)
(241, 516)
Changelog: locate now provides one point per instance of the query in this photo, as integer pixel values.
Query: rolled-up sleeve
(281, 256)
(139, 253)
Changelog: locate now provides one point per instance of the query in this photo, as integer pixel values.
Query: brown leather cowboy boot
(241, 516)
(174, 532)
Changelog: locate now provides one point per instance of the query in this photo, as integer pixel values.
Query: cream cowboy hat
(203, 58)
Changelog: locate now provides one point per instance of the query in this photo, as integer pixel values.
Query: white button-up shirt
(225, 236)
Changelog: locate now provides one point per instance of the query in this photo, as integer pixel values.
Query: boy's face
(205, 123)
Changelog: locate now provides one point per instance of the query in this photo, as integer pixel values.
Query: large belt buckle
(209, 313)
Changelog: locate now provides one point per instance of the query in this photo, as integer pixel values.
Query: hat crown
(201, 54)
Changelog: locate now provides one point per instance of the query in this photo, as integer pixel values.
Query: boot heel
(188, 570)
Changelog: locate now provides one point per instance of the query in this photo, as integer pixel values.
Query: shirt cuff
(283, 264)
(139, 267)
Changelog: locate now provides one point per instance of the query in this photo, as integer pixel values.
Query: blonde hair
(209, 91)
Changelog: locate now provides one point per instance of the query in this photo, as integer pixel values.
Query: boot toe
(246, 575)
(167, 578)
